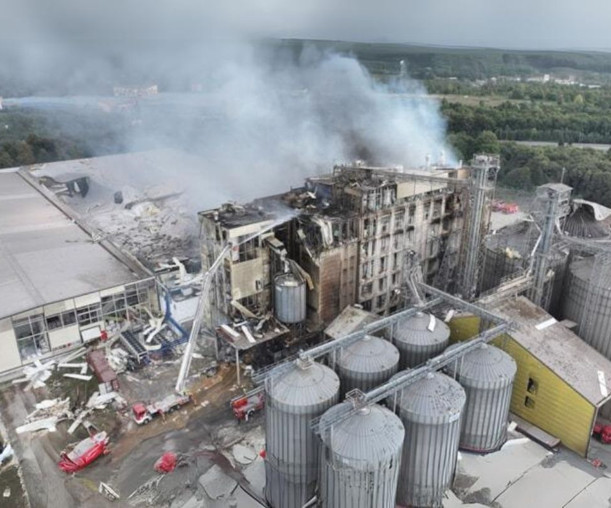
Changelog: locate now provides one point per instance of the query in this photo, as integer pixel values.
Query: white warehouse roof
(44, 256)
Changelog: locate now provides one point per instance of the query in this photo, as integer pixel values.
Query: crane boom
(199, 319)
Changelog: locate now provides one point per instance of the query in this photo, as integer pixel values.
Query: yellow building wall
(463, 328)
(552, 405)
(556, 407)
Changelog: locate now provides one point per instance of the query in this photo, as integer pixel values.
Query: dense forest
(425, 62)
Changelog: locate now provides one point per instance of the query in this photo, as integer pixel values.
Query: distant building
(135, 91)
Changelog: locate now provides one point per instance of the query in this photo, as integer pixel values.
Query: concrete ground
(221, 458)
(204, 434)
(524, 474)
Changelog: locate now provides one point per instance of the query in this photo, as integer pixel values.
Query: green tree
(487, 142)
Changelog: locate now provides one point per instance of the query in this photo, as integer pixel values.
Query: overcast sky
(536, 24)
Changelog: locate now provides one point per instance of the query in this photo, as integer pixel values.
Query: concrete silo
(430, 410)
(293, 399)
(360, 458)
(366, 364)
(420, 337)
(487, 376)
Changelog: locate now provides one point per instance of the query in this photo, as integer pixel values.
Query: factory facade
(350, 237)
(60, 288)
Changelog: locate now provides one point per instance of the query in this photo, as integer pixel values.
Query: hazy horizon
(532, 25)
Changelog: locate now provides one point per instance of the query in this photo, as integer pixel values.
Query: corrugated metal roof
(370, 436)
(486, 364)
(370, 354)
(557, 347)
(415, 330)
(436, 396)
(44, 256)
(305, 385)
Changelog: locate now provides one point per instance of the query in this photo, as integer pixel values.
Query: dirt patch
(11, 483)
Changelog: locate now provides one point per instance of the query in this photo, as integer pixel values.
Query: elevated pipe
(400, 382)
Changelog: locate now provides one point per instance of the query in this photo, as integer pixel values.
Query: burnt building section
(351, 237)
(373, 225)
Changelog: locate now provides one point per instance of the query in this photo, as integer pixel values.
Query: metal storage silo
(508, 254)
(290, 298)
(418, 341)
(367, 363)
(293, 399)
(487, 375)
(588, 302)
(430, 410)
(360, 458)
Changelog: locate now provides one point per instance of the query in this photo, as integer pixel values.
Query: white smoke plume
(265, 121)
(263, 118)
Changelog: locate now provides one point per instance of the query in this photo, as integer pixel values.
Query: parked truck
(84, 453)
(144, 413)
(602, 432)
(244, 407)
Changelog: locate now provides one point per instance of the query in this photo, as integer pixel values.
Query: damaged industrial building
(348, 238)
(380, 338)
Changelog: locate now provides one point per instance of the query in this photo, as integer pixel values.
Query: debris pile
(46, 415)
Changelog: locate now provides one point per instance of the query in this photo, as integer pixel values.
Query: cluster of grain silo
(430, 410)
(420, 337)
(366, 364)
(360, 458)
(587, 302)
(293, 399)
(486, 374)
(378, 457)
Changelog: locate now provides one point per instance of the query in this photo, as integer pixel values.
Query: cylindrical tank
(487, 375)
(430, 410)
(292, 457)
(360, 459)
(415, 340)
(290, 298)
(366, 364)
(588, 302)
(507, 253)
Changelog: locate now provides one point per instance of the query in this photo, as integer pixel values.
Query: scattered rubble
(216, 483)
(243, 454)
(79, 376)
(35, 375)
(108, 492)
